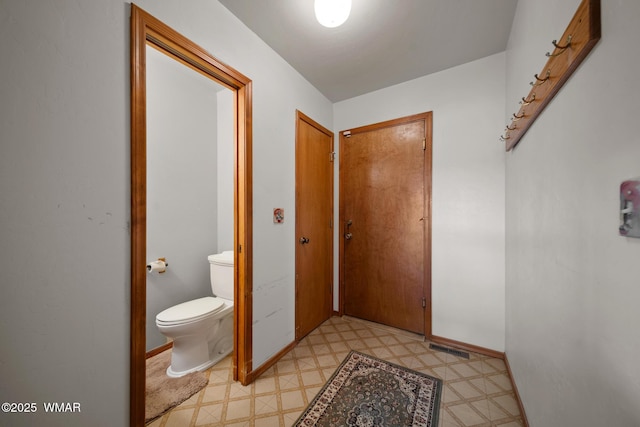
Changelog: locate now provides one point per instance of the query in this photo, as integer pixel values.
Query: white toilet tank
(221, 266)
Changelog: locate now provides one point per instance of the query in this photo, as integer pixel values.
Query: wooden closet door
(314, 220)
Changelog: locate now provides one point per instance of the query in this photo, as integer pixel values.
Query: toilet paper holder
(160, 265)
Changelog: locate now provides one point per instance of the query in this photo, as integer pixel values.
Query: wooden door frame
(300, 116)
(147, 30)
(428, 120)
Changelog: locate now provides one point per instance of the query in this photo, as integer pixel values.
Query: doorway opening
(148, 31)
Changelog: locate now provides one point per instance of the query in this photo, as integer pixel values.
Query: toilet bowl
(202, 329)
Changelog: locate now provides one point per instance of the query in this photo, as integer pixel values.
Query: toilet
(202, 329)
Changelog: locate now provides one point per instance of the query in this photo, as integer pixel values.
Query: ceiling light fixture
(332, 13)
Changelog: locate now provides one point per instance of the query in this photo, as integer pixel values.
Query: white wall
(64, 180)
(64, 214)
(468, 190)
(572, 281)
(225, 156)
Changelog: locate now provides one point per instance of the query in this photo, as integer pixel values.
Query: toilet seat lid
(190, 310)
(223, 258)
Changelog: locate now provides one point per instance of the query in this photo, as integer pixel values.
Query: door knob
(303, 240)
(347, 225)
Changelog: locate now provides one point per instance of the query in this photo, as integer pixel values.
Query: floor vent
(449, 350)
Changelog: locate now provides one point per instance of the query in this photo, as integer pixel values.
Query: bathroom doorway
(148, 31)
(189, 183)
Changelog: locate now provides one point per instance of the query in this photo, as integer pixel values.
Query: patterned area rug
(366, 391)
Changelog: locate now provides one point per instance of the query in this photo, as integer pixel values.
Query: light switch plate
(630, 208)
(278, 215)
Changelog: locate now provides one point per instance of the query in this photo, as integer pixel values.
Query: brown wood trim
(339, 225)
(468, 347)
(389, 123)
(243, 208)
(584, 30)
(138, 220)
(273, 360)
(428, 119)
(158, 350)
(145, 30)
(301, 116)
(515, 390)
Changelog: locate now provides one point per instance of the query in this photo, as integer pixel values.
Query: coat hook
(516, 118)
(528, 101)
(510, 128)
(504, 138)
(561, 48)
(540, 81)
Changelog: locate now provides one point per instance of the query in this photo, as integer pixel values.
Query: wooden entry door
(385, 185)
(314, 224)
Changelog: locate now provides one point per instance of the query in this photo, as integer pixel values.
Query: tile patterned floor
(477, 391)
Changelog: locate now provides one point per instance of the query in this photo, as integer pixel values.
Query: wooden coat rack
(577, 41)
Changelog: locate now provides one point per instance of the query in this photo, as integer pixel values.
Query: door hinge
(424, 144)
(424, 302)
(332, 156)
(346, 134)
(239, 249)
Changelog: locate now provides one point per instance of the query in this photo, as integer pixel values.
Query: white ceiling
(384, 42)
